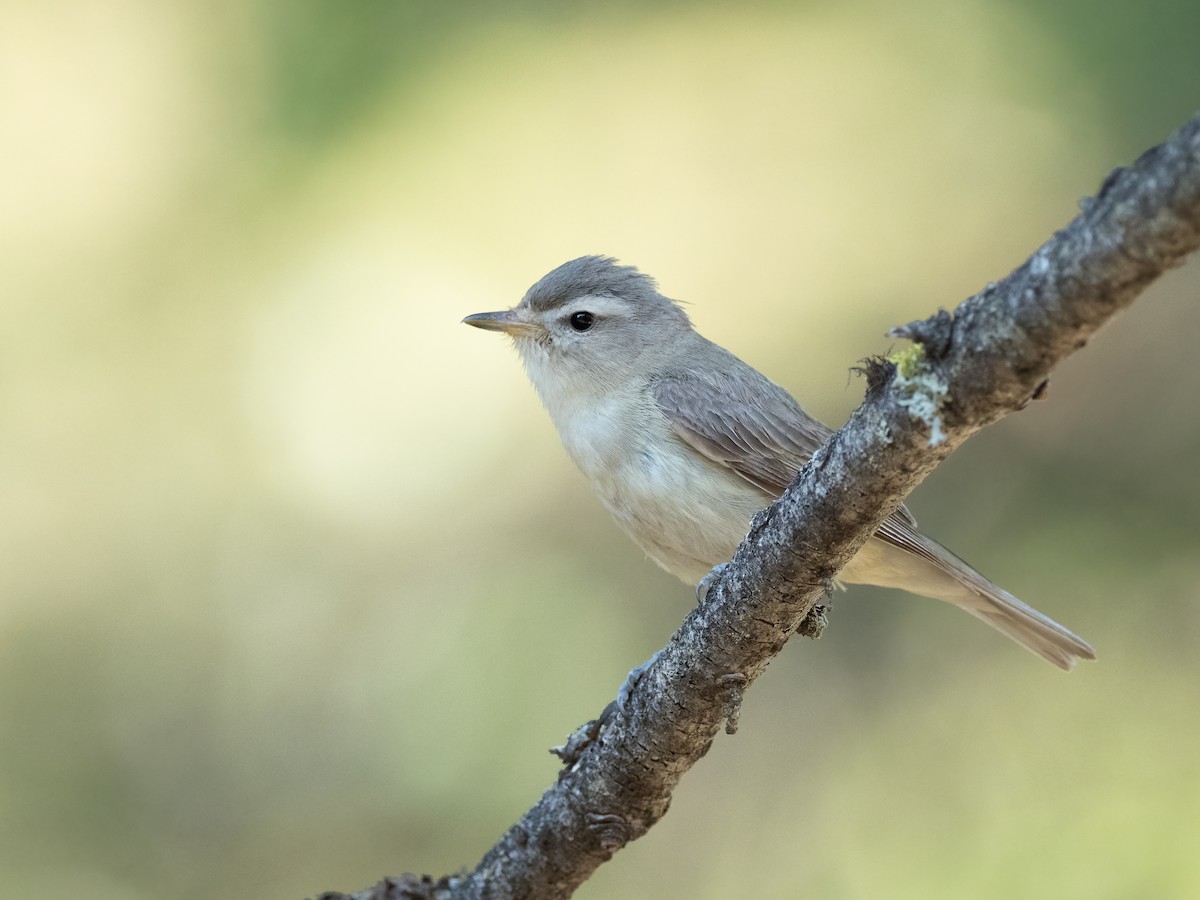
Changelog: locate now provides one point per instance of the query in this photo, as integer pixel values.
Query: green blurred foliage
(298, 584)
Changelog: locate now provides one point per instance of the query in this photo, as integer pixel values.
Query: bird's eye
(582, 321)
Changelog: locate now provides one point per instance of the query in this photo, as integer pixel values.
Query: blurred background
(297, 584)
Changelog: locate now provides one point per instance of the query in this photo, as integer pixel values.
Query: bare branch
(964, 371)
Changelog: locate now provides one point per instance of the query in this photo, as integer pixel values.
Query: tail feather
(933, 571)
(1035, 632)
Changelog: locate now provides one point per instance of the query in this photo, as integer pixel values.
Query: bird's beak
(509, 321)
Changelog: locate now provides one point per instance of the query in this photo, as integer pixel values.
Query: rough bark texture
(964, 371)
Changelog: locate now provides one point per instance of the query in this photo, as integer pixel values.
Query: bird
(683, 442)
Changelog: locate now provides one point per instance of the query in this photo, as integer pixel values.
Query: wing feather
(742, 420)
(739, 419)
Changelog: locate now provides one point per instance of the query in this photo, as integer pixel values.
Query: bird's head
(590, 325)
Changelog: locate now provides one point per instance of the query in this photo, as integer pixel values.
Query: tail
(1035, 632)
(925, 567)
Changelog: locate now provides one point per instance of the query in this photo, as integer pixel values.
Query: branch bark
(964, 371)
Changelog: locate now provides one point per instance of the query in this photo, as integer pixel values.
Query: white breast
(687, 512)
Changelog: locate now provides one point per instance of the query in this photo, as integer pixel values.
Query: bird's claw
(709, 580)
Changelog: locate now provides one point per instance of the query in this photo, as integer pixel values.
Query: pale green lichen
(907, 361)
(920, 389)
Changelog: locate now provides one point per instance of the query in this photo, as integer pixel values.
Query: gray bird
(683, 442)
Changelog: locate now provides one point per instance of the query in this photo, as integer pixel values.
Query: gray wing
(740, 419)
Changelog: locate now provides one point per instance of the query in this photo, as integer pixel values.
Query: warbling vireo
(684, 443)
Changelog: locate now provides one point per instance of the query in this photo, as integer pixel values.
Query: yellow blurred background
(297, 584)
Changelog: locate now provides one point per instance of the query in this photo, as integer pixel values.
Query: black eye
(582, 321)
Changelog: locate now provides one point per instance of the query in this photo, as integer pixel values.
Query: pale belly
(687, 513)
(687, 522)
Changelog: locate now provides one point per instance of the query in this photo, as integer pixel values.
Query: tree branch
(964, 371)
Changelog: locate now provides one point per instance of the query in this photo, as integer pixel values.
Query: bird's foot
(709, 580)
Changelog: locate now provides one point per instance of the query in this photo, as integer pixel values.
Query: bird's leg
(709, 580)
(818, 617)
